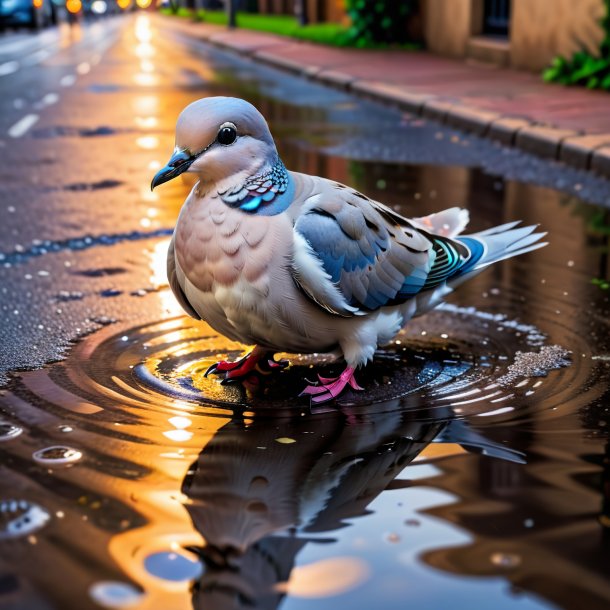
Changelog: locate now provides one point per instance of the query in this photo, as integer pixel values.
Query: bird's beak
(181, 160)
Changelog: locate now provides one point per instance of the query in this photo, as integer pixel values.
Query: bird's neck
(267, 191)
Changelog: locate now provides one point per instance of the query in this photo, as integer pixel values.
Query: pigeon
(290, 262)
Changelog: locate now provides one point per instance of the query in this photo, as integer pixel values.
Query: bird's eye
(227, 134)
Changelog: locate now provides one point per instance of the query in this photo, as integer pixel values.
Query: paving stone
(437, 109)
(335, 78)
(578, 151)
(281, 62)
(600, 161)
(412, 102)
(541, 140)
(312, 71)
(505, 129)
(471, 119)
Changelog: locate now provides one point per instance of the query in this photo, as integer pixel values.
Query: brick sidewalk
(516, 108)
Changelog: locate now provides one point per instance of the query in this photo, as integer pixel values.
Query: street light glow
(99, 7)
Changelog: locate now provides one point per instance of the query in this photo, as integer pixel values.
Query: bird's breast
(217, 246)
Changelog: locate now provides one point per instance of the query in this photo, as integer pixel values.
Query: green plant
(334, 34)
(379, 21)
(583, 68)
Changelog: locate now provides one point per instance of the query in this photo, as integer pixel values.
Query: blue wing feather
(356, 261)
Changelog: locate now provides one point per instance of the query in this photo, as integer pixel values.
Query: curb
(579, 150)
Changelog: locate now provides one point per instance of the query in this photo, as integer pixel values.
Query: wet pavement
(473, 471)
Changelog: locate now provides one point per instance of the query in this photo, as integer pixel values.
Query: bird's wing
(174, 284)
(353, 255)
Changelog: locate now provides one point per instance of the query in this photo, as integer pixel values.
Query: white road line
(23, 125)
(68, 80)
(47, 100)
(37, 57)
(17, 46)
(8, 68)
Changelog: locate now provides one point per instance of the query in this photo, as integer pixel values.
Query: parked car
(30, 13)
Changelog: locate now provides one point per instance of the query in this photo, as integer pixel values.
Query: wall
(542, 29)
(448, 25)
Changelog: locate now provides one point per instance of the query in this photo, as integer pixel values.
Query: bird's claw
(330, 388)
(249, 371)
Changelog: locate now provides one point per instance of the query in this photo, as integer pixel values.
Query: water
(472, 472)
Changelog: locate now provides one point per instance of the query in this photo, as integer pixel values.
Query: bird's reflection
(262, 489)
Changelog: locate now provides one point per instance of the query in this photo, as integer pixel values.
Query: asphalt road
(80, 138)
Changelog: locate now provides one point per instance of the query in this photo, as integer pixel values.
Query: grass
(332, 34)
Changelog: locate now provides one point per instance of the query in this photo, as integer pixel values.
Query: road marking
(16, 46)
(12, 46)
(23, 125)
(68, 80)
(37, 57)
(8, 68)
(49, 99)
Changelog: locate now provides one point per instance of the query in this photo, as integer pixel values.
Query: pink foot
(249, 368)
(329, 389)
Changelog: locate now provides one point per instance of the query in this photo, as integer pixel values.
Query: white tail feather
(500, 243)
(448, 223)
(506, 241)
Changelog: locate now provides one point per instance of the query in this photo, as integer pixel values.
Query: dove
(290, 262)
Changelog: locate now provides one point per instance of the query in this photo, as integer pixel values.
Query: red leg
(258, 362)
(329, 389)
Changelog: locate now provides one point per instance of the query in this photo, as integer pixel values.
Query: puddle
(93, 186)
(60, 131)
(44, 247)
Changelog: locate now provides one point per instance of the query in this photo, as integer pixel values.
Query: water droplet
(65, 295)
(114, 594)
(57, 455)
(505, 560)
(173, 566)
(9, 431)
(20, 518)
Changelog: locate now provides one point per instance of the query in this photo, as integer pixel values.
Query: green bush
(334, 34)
(583, 68)
(377, 22)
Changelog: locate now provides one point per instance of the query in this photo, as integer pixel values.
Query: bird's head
(219, 138)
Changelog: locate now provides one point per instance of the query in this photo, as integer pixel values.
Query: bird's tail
(496, 244)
